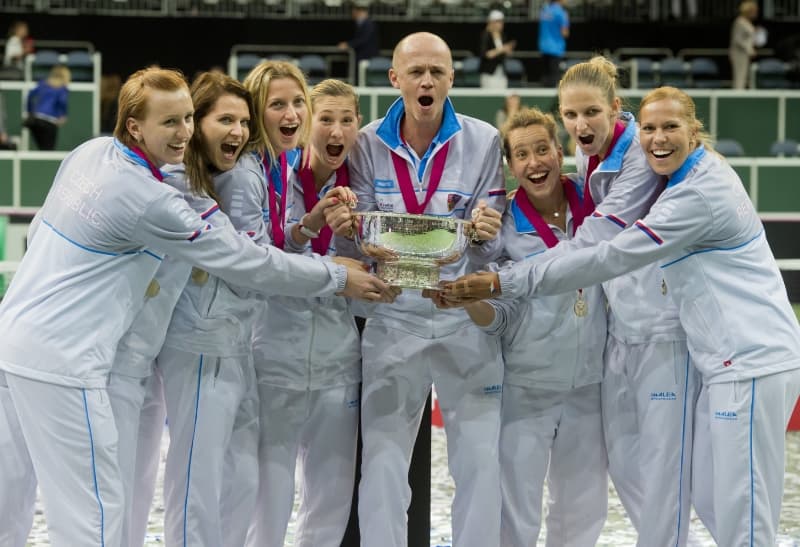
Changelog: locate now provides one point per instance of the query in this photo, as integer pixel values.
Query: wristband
(306, 231)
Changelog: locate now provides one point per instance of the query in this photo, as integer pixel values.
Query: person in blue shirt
(553, 34)
(47, 107)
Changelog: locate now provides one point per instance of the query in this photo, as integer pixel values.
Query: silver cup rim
(410, 216)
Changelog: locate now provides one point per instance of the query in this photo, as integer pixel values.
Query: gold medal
(153, 289)
(199, 277)
(581, 308)
(663, 287)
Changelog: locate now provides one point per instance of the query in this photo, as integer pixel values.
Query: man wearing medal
(418, 159)
(551, 423)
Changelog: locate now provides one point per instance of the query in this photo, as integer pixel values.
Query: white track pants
(747, 424)
(649, 393)
(17, 479)
(204, 395)
(399, 369)
(72, 440)
(138, 406)
(561, 430)
(320, 428)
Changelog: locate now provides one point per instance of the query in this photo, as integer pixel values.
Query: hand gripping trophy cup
(410, 249)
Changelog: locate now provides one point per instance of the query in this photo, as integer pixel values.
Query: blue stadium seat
(705, 73)
(772, 73)
(314, 67)
(377, 71)
(672, 71)
(469, 74)
(646, 75)
(245, 62)
(43, 61)
(515, 72)
(81, 65)
(730, 148)
(788, 148)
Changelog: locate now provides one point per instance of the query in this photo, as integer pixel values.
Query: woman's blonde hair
(688, 110)
(59, 76)
(597, 72)
(206, 90)
(747, 7)
(334, 88)
(257, 83)
(132, 102)
(525, 118)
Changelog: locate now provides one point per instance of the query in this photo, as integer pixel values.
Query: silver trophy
(410, 249)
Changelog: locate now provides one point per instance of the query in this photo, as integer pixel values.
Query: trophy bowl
(410, 249)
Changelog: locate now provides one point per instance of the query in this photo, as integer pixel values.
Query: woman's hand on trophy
(471, 288)
(338, 215)
(486, 222)
(362, 284)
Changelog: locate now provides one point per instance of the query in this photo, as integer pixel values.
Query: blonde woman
(742, 48)
(47, 107)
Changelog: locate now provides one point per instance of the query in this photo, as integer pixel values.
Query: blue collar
(521, 222)
(613, 162)
(693, 159)
(137, 159)
(389, 129)
(293, 159)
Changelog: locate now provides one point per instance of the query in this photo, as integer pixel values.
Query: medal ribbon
(535, 218)
(310, 198)
(594, 161)
(277, 217)
(407, 187)
(153, 169)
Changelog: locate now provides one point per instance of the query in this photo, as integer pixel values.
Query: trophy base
(415, 274)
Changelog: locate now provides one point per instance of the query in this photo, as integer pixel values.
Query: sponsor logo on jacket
(452, 200)
(493, 389)
(728, 415)
(662, 396)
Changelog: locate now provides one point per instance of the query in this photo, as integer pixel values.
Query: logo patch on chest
(452, 200)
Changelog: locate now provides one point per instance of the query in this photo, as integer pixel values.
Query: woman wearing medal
(649, 385)
(84, 278)
(709, 242)
(553, 357)
(309, 389)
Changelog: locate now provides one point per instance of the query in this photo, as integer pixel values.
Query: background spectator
(553, 34)
(494, 51)
(47, 107)
(18, 45)
(365, 38)
(511, 106)
(742, 48)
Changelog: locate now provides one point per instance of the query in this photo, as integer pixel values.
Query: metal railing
(408, 10)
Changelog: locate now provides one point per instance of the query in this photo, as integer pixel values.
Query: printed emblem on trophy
(410, 248)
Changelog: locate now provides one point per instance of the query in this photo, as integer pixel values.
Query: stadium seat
(81, 65)
(314, 67)
(515, 72)
(730, 148)
(282, 57)
(788, 148)
(245, 63)
(673, 71)
(43, 61)
(377, 71)
(772, 73)
(469, 74)
(705, 73)
(646, 75)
